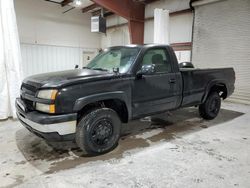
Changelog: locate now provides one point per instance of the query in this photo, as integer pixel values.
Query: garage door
(222, 39)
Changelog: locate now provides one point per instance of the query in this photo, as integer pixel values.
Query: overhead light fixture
(78, 2)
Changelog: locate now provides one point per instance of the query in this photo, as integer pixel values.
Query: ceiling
(85, 3)
(89, 6)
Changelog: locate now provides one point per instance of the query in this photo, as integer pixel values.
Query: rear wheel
(98, 131)
(211, 107)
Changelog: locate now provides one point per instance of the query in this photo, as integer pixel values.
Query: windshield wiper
(100, 69)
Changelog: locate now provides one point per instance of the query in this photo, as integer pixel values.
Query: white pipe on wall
(161, 26)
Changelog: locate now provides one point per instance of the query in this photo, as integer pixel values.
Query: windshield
(119, 57)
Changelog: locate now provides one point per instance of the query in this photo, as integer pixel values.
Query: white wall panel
(41, 22)
(115, 37)
(149, 31)
(180, 25)
(183, 56)
(171, 5)
(222, 39)
(45, 58)
(115, 20)
(180, 29)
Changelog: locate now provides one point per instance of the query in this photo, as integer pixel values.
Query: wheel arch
(218, 86)
(118, 101)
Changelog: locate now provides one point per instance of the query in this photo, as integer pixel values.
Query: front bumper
(49, 127)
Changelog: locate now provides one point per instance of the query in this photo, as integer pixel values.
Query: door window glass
(159, 58)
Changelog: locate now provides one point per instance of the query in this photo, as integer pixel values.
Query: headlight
(48, 108)
(47, 94)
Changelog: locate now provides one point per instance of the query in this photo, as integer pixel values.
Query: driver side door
(154, 92)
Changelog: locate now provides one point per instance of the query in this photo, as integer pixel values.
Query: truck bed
(196, 81)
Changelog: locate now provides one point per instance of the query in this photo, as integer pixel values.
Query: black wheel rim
(214, 106)
(102, 132)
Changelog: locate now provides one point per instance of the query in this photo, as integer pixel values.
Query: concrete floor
(175, 149)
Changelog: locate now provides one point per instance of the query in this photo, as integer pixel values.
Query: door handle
(172, 80)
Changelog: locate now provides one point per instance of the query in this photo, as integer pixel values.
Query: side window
(159, 58)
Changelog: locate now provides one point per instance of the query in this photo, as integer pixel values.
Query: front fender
(81, 102)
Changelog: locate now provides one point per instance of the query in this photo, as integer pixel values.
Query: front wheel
(211, 107)
(98, 131)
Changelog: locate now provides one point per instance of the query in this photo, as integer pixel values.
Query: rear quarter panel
(197, 82)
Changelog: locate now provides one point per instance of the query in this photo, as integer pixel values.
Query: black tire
(98, 131)
(211, 107)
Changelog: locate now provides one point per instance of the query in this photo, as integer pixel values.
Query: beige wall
(180, 25)
(50, 40)
(171, 5)
(180, 29)
(41, 22)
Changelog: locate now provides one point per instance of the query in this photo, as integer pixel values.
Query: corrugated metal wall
(222, 39)
(44, 58)
(183, 56)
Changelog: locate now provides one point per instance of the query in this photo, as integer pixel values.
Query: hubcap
(102, 132)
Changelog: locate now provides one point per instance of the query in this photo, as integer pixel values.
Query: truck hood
(58, 79)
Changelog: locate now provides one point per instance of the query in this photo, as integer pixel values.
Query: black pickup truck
(120, 84)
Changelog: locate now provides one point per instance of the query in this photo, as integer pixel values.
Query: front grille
(31, 90)
(29, 104)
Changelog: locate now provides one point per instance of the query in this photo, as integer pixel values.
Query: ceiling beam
(66, 2)
(106, 13)
(150, 1)
(126, 8)
(145, 1)
(50, 1)
(89, 8)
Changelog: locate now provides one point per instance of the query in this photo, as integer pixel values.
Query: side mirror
(146, 70)
(186, 65)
